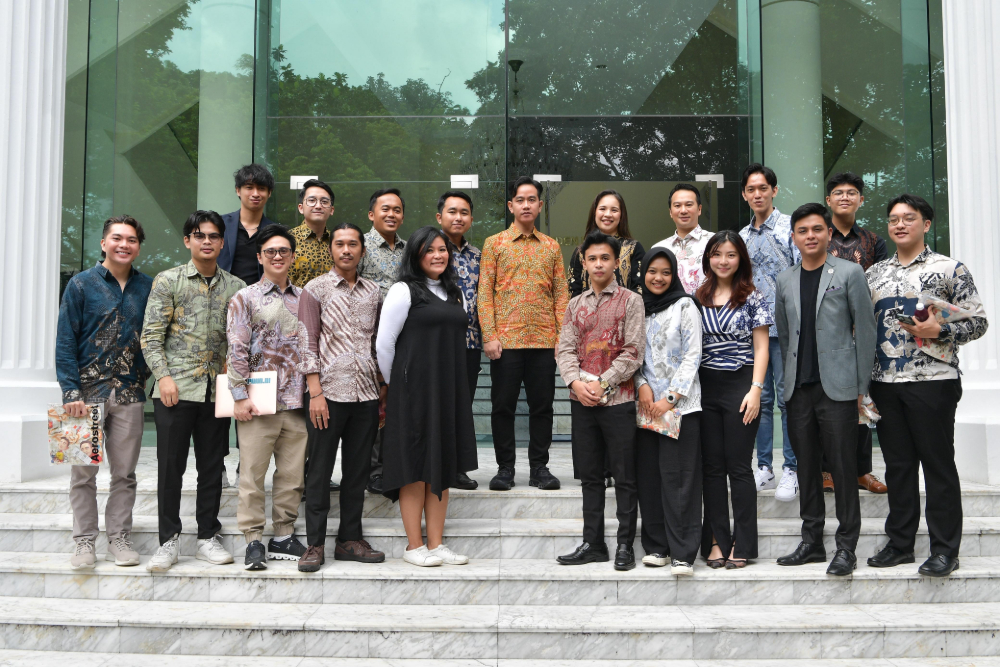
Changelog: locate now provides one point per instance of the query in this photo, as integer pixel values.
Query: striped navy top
(727, 334)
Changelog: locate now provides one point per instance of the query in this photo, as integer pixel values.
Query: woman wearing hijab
(668, 470)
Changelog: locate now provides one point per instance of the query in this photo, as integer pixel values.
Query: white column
(972, 102)
(33, 81)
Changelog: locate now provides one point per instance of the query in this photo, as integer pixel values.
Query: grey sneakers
(83, 556)
(120, 550)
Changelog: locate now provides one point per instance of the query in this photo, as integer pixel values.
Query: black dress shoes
(586, 553)
(624, 557)
(804, 553)
(890, 556)
(938, 565)
(463, 481)
(375, 485)
(543, 479)
(503, 480)
(844, 562)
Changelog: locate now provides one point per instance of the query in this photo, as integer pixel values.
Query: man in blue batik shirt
(455, 217)
(769, 242)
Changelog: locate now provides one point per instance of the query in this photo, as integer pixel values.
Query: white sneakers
(165, 556)
(788, 487)
(448, 556)
(679, 568)
(422, 557)
(212, 551)
(655, 560)
(764, 478)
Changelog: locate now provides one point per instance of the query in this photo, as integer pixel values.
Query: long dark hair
(414, 276)
(742, 280)
(623, 231)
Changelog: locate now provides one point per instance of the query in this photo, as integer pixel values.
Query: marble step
(507, 582)
(501, 631)
(477, 538)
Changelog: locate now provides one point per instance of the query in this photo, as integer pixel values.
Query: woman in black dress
(429, 435)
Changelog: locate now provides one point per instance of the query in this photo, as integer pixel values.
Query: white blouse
(673, 354)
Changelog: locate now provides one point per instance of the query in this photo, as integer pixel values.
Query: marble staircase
(512, 605)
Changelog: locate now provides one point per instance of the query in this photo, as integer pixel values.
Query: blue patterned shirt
(727, 334)
(380, 262)
(97, 338)
(465, 261)
(771, 252)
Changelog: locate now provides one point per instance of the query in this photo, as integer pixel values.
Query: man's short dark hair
(812, 208)
(913, 201)
(315, 183)
(685, 186)
(845, 178)
(600, 238)
(269, 232)
(525, 180)
(254, 174)
(347, 225)
(454, 193)
(758, 168)
(384, 192)
(124, 219)
(198, 217)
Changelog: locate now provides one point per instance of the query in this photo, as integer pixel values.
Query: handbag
(668, 424)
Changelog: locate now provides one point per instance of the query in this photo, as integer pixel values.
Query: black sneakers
(543, 479)
(290, 549)
(503, 480)
(256, 558)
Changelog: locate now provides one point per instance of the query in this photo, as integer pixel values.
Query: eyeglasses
(850, 194)
(904, 221)
(324, 202)
(214, 237)
(271, 253)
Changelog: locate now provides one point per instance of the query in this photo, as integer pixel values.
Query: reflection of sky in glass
(404, 39)
(218, 29)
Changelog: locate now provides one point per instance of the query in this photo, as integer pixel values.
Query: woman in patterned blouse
(735, 318)
(609, 215)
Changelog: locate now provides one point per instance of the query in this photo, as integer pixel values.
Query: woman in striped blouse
(735, 318)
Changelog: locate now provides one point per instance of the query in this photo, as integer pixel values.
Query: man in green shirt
(184, 343)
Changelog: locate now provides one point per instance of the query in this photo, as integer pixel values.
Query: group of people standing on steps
(377, 342)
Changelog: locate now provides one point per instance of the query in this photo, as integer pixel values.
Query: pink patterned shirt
(689, 251)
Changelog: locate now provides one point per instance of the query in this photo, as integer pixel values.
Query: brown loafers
(872, 483)
(827, 482)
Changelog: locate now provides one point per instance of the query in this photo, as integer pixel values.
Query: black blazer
(232, 221)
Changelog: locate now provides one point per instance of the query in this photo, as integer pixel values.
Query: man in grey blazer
(826, 330)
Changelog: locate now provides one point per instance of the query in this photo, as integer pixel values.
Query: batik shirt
(689, 252)
(312, 255)
(263, 331)
(771, 252)
(727, 333)
(673, 355)
(97, 337)
(859, 246)
(338, 339)
(603, 334)
(522, 290)
(897, 357)
(184, 335)
(465, 261)
(380, 262)
(628, 274)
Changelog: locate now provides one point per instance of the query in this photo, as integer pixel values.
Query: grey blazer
(845, 328)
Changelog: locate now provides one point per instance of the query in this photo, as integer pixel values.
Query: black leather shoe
(503, 480)
(844, 562)
(804, 553)
(543, 479)
(624, 557)
(890, 556)
(938, 565)
(586, 553)
(375, 485)
(463, 481)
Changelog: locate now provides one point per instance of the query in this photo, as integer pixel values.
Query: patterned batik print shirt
(263, 331)
(689, 252)
(312, 255)
(522, 290)
(466, 261)
(897, 357)
(673, 355)
(604, 335)
(338, 340)
(184, 334)
(628, 274)
(97, 337)
(771, 252)
(859, 246)
(380, 263)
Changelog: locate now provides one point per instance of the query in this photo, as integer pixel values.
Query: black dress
(429, 434)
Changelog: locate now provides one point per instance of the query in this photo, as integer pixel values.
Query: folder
(262, 388)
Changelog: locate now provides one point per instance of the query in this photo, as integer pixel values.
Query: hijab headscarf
(655, 303)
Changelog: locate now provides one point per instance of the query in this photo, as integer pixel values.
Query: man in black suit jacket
(254, 185)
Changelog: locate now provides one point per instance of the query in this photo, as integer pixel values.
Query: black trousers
(727, 446)
(598, 430)
(917, 430)
(668, 476)
(176, 427)
(354, 426)
(536, 368)
(824, 430)
(864, 451)
(473, 364)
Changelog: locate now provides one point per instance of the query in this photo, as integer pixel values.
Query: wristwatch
(672, 399)
(759, 385)
(605, 385)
